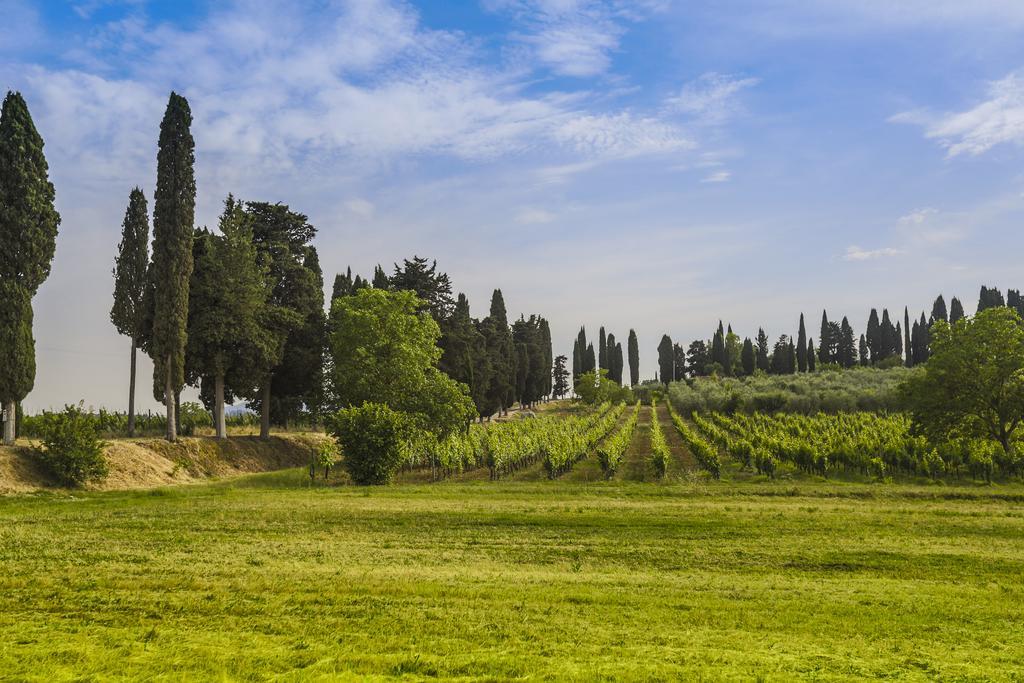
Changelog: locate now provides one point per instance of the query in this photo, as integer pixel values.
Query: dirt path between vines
(682, 460)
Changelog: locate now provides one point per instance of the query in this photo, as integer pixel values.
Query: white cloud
(855, 253)
(534, 216)
(917, 216)
(997, 120)
(718, 177)
(711, 98)
(621, 135)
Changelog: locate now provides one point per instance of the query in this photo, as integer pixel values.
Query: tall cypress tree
(380, 278)
(666, 359)
(810, 355)
(130, 284)
(464, 355)
(171, 270)
(939, 309)
(590, 359)
(801, 346)
(602, 350)
(908, 361)
(847, 349)
(609, 356)
(618, 362)
(718, 352)
(956, 311)
(990, 298)
(863, 352)
(561, 378)
(501, 352)
(28, 239)
(747, 358)
(633, 351)
(825, 341)
(576, 359)
(547, 367)
(874, 337)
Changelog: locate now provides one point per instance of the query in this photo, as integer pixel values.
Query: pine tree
(634, 359)
(825, 341)
(762, 351)
(561, 378)
(380, 278)
(801, 346)
(171, 269)
(909, 360)
(666, 359)
(939, 309)
(748, 359)
(130, 284)
(434, 288)
(228, 295)
(956, 311)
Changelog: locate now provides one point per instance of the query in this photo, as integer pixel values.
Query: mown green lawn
(264, 578)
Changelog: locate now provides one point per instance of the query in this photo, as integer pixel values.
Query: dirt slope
(147, 463)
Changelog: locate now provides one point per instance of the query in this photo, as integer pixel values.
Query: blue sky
(652, 164)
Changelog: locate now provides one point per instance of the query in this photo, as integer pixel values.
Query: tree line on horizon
(883, 343)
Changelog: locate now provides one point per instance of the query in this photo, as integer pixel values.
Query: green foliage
(192, 417)
(666, 360)
(71, 448)
(660, 453)
(374, 439)
(130, 268)
(973, 383)
(704, 453)
(612, 450)
(821, 391)
(28, 234)
(560, 386)
(173, 220)
(633, 352)
(432, 288)
(384, 351)
(464, 355)
(325, 456)
(592, 392)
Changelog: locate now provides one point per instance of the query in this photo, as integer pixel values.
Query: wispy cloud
(534, 216)
(855, 253)
(997, 120)
(718, 177)
(712, 98)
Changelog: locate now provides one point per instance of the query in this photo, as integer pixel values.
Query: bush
(373, 439)
(72, 450)
(193, 415)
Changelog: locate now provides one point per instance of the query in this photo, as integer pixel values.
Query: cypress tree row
(171, 269)
(956, 311)
(634, 358)
(939, 309)
(501, 353)
(465, 356)
(127, 313)
(810, 356)
(28, 233)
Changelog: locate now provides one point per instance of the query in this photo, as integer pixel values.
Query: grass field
(264, 577)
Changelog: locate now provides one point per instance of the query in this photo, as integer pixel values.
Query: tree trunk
(265, 412)
(169, 396)
(218, 407)
(131, 396)
(10, 415)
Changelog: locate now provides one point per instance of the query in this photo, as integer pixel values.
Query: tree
(874, 336)
(666, 359)
(801, 346)
(28, 235)
(590, 359)
(577, 360)
(698, 359)
(939, 309)
(783, 356)
(633, 351)
(561, 377)
(810, 355)
(909, 360)
(581, 342)
(863, 352)
(973, 383)
(602, 349)
(464, 355)
(762, 359)
(228, 294)
(956, 311)
(385, 351)
(171, 269)
(432, 287)
(501, 354)
(889, 338)
(749, 360)
(733, 348)
(380, 278)
(719, 354)
(282, 238)
(130, 284)
(990, 298)
(825, 341)
(679, 362)
(548, 354)
(847, 355)
(609, 356)
(374, 438)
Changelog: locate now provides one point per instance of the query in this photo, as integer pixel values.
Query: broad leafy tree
(973, 383)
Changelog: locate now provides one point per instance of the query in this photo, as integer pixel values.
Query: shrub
(373, 439)
(192, 416)
(71, 450)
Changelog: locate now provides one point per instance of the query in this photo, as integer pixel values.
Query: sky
(653, 165)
